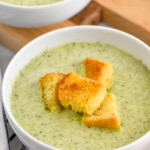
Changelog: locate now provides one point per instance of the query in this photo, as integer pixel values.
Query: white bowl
(78, 33)
(36, 16)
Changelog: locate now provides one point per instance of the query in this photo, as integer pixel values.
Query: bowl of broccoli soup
(37, 13)
(62, 51)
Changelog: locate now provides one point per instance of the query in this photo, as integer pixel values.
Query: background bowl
(78, 33)
(36, 16)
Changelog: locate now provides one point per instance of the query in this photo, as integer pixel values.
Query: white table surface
(5, 56)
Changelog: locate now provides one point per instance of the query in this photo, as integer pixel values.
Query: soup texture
(30, 2)
(63, 128)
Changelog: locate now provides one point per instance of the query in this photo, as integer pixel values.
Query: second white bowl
(36, 16)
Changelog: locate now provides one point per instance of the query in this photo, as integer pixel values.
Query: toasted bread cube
(80, 94)
(98, 71)
(48, 85)
(106, 116)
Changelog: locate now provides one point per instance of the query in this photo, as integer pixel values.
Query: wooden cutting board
(132, 16)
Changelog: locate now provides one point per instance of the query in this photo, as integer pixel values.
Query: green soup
(63, 129)
(30, 2)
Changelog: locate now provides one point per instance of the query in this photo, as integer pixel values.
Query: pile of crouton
(86, 95)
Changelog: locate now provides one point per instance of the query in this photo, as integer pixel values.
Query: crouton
(106, 116)
(98, 71)
(48, 85)
(80, 94)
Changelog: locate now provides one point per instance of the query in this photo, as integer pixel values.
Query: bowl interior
(83, 33)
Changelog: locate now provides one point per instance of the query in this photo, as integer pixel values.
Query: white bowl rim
(34, 7)
(8, 112)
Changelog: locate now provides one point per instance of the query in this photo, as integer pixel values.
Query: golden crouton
(80, 94)
(106, 116)
(98, 71)
(48, 85)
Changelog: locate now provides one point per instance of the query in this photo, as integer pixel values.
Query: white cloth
(3, 137)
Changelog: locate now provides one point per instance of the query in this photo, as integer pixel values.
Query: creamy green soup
(63, 129)
(30, 2)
